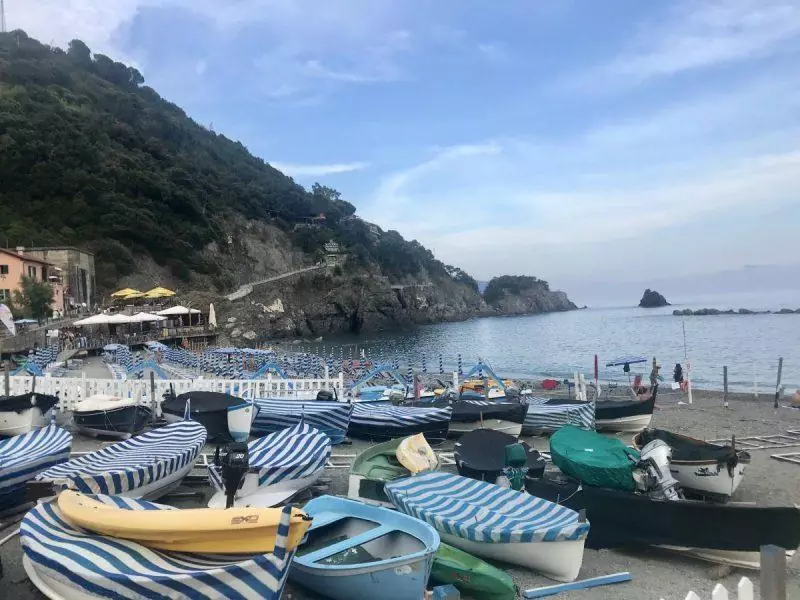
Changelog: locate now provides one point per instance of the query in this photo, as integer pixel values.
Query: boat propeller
(235, 463)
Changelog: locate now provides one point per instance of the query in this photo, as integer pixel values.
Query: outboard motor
(654, 461)
(234, 466)
(325, 396)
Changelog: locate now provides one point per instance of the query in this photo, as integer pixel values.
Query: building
(333, 255)
(77, 270)
(15, 265)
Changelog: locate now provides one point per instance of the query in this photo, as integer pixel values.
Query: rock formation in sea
(652, 299)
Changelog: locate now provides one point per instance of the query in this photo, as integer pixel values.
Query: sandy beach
(656, 574)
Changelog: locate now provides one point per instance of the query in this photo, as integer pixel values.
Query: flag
(7, 319)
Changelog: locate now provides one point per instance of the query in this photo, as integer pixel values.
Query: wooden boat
(700, 467)
(496, 523)
(625, 416)
(471, 576)
(210, 409)
(469, 415)
(356, 551)
(379, 422)
(110, 416)
(25, 412)
(23, 456)
(279, 466)
(240, 420)
(68, 562)
(548, 415)
(146, 466)
(481, 454)
(375, 467)
(724, 533)
(275, 414)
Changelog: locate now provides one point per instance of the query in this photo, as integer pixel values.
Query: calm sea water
(560, 343)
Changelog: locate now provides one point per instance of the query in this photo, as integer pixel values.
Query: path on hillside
(247, 288)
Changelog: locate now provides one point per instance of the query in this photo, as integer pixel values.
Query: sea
(559, 344)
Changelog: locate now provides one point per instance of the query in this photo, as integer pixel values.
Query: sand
(656, 574)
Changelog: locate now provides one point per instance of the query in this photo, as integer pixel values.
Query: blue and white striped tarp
(549, 418)
(106, 567)
(22, 457)
(331, 418)
(483, 512)
(387, 416)
(293, 453)
(124, 467)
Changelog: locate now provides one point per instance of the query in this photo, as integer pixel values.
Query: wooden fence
(744, 591)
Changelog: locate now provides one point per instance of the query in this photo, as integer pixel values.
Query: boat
(110, 416)
(355, 551)
(471, 576)
(723, 533)
(25, 455)
(700, 467)
(210, 409)
(25, 412)
(204, 530)
(68, 562)
(145, 466)
(481, 454)
(495, 523)
(469, 415)
(240, 420)
(279, 465)
(379, 422)
(331, 418)
(378, 465)
(627, 415)
(548, 415)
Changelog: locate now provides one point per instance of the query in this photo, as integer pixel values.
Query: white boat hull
(632, 424)
(52, 587)
(266, 496)
(740, 559)
(458, 429)
(240, 420)
(557, 560)
(13, 423)
(708, 477)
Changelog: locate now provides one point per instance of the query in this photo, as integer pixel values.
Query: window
(5, 295)
(31, 271)
(3, 269)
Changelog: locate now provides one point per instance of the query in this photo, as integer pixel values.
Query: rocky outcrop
(522, 295)
(652, 299)
(704, 312)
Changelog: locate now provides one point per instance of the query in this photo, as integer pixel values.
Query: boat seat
(325, 518)
(367, 536)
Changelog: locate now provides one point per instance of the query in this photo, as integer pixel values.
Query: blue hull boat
(356, 551)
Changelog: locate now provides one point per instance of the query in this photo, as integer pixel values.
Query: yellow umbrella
(134, 295)
(158, 292)
(124, 293)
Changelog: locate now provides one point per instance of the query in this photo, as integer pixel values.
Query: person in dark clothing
(677, 374)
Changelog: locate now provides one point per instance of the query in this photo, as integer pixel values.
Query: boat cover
(109, 567)
(331, 418)
(293, 453)
(484, 451)
(593, 459)
(103, 402)
(201, 402)
(391, 417)
(547, 415)
(134, 463)
(483, 512)
(25, 401)
(23, 456)
(687, 449)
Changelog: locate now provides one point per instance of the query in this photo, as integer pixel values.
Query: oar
(583, 584)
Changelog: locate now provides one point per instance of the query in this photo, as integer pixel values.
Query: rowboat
(330, 417)
(71, 563)
(496, 523)
(23, 456)
(146, 466)
(356, 551)
(110, 416)
(471, 576)
(279, 466)
(701, 467)
(25, 412)
(548, 415)
(469, 415)
(379, 422)
(240, 420)
(625, 416)
(481, 454)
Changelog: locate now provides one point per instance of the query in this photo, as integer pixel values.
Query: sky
(578, 141)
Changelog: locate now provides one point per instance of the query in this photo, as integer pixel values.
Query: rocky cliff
(652, 299)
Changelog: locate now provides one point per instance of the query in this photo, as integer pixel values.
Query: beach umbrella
(124, 293)
(158, 292)
(212, 317)
(145, 317)
(7, 319)
(100, 319)
(178, 310)
(132, 296)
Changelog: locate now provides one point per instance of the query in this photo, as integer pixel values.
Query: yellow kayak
(416, 455)
(202, 530)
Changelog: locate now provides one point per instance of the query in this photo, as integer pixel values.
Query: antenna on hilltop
(2, 16)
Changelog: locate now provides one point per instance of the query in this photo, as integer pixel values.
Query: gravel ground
(656, 574)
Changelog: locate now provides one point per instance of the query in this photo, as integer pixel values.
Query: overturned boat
(700, 467)
(210, 409)
(380, 422)
(483, 454)
(25, 412)
(270, 470)
(110, 416)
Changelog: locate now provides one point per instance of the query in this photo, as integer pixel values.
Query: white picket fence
(744, 591)
(71, 390)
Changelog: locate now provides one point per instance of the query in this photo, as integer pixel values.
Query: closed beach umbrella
(212, 316)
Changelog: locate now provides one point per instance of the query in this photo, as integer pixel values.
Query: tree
(36, 297)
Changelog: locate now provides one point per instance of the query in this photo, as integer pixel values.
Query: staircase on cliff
(247, 288)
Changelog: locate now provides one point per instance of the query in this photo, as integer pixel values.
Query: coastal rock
(249, 335)
(786, 311)
(652, 299)
(523, 295)
(745, 311)
(686, 312)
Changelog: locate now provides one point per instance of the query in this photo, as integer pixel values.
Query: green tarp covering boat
(593, 458)
(471, 576)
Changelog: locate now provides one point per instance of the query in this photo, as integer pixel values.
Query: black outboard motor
(325, 396)
(234, 465)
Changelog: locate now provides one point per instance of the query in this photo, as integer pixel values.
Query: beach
(656, 573)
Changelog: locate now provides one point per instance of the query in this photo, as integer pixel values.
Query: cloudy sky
(571, 139)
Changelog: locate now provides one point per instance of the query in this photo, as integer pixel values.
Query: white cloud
(318, 170)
